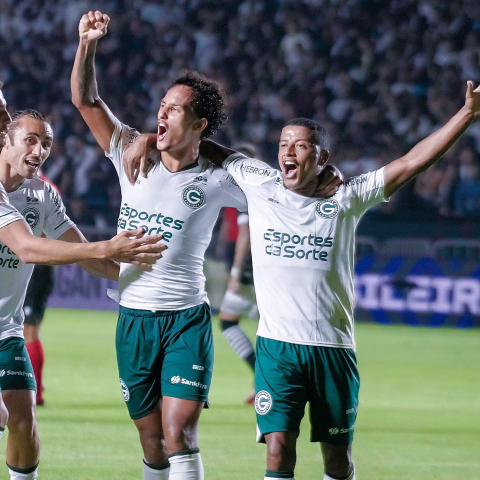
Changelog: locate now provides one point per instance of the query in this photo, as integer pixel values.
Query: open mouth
(289, 169)
(32, 163)
(162, 131)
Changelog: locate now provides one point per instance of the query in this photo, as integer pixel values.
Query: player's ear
(323, 157)
(200, 124)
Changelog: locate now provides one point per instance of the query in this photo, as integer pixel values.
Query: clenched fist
(93, 25)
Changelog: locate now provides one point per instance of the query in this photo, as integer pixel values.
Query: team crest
(125, 391)
(327, 208)
(32, 216)
(193, 196)
(263, 402)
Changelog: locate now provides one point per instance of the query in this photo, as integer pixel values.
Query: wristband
(235, 272)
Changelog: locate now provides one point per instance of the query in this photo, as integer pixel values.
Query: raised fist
(93, 25)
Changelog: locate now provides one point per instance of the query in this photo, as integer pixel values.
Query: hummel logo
(32, 200)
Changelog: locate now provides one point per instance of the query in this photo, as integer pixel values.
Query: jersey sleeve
(122, 137)
(248, 172)
(57, 221)
(366, 191)
(233, 195)
(8, 213)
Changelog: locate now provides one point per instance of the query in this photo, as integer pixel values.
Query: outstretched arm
(428, 151)
(18, 237)
(99, 268)
(83, 82)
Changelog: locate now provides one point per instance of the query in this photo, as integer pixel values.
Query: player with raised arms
(164, 338)
(24, 149)
(303, 266)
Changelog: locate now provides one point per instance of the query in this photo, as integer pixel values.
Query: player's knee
(179, 439)
(281, 449)
(226, 324)
(24, 425)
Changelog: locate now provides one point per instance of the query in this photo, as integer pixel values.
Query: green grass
(419, 415)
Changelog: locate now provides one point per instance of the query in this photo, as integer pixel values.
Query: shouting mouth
(289, 168)
(32, 163)
(162, 131)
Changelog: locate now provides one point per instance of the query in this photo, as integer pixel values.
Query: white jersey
(303, 253)
(41, 206)
(183, 206)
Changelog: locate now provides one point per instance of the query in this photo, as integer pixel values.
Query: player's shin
(186, 465)
(154, 472)
(238, 341)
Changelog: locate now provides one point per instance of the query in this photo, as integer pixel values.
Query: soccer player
(164, 339)
(303, 265)
(27, 146)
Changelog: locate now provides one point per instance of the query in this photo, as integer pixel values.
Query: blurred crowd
(380, 75)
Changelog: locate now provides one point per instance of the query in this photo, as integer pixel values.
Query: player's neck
(9, 179)
(178, 160)
(307, 190)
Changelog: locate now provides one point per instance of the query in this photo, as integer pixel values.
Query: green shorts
(16, 371)
(288, 375)
(164, 353)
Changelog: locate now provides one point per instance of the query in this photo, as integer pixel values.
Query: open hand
(136, 158)
(329, 182)
(93, 25)
(134, 247)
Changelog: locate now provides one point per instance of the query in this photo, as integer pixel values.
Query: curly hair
(25, 113)
(208, 100)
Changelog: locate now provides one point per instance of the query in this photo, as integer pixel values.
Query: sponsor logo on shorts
(198, 367)
(193, 196)
(19, 373)
(2, 373)
(32, 216)
(22, 359)
(351, 410)
(192, 383)
(336, 430)
(327, 208)
(125, 391)
(263, 402)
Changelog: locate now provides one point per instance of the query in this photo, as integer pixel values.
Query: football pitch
(419, 415)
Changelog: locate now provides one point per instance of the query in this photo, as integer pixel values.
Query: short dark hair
(208, 100)
(320, 135)
(25, 113)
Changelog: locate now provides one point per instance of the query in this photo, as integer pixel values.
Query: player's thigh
(16, 371)
(139, 358)
(281, 390)
(20, 405)
(188, 362)
(334, 394)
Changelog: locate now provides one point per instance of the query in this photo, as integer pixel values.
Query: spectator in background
(375, 68)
